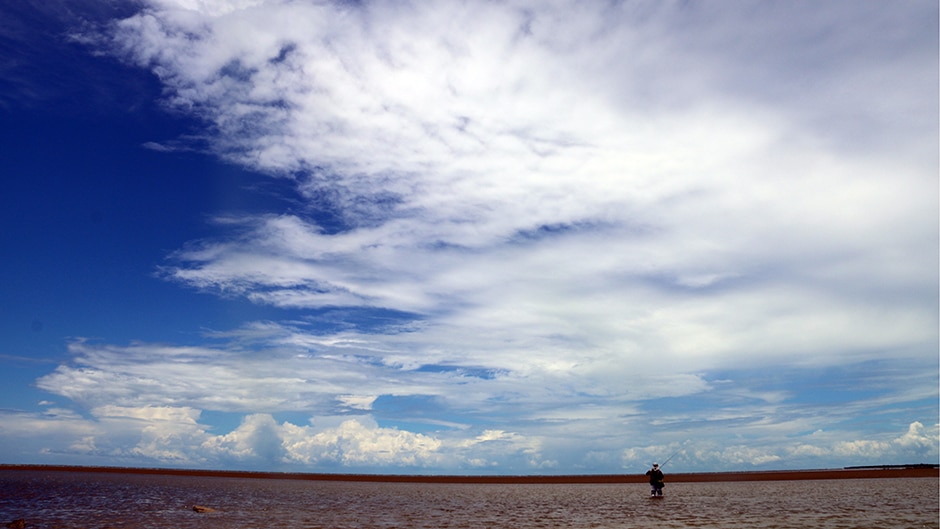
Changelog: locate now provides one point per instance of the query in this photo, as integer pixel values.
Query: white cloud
(256, 439)
(173, 436)
(166, 434)
(918, 439)
(358, 402)
(355, 444)
(506, 170)
(574, 211)
(917, 444)
(816, 450)
(176, 436)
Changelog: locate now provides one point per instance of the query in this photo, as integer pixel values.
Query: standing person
(656, 480)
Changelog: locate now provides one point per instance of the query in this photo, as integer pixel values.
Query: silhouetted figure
(656, 480)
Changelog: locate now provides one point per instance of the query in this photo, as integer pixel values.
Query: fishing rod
(656, 477)
(668, 459)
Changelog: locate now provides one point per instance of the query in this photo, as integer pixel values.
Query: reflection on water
(86, 500)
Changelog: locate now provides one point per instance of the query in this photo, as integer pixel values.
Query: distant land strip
(868, 472)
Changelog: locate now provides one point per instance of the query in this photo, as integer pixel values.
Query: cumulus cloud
(175, 437)
(918, 442)
(819, 449)
(169, 436)
(438, 417)
(918, 439)
(166, 434)
(353, 443)
(258, 437)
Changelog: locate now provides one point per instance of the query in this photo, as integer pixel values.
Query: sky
(469, 237)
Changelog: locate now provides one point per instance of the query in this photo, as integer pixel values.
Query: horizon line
(916, 470)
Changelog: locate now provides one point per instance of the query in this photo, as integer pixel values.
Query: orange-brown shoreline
(917, 471)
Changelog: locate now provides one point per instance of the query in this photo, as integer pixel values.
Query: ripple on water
(128, 501)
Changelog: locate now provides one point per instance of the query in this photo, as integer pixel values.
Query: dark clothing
(656, 476)
(656, 481)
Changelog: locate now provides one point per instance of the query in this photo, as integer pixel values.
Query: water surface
(66, 500)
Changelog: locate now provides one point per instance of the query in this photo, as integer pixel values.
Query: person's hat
(655, 465)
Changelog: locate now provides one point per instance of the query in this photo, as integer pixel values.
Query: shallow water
(60, 500)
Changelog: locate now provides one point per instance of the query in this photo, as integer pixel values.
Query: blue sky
(469, 238)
